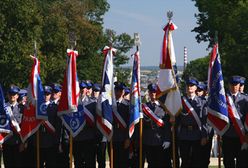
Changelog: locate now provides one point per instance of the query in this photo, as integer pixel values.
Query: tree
(230, 20)
(20, 26)
(50, 24)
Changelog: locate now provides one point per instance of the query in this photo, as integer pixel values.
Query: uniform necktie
(12, 107)
(234, 98)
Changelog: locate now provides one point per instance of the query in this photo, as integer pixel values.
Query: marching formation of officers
(193, 134)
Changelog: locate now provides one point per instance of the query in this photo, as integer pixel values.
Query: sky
(148, 17)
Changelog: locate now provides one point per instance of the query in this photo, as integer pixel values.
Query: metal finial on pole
(110, 37)
(35, 49)
(137, 41)
(216, 37)
(72, 40)
(169, 15)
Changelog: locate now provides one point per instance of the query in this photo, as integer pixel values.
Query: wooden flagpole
(38, 148)
(172, 120)
(38, 132)
(138, 43)
(71, 149)
(219, 151)
(140, 144)
(111, 154)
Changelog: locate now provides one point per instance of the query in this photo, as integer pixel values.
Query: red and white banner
(190, 110)
(151, 114)
(167, 85)
(70, 88)
(29, 123)
(236, 120)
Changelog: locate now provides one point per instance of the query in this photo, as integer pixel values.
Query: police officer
(120, 137)
(11, 147)
(101, 140)
(242, 85)
(84, 144)
(231, 140)
(206, 149)
(192, 131)
(156, 137)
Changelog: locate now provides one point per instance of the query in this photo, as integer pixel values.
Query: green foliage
(230, 20)
(198, 69)
(52, 24)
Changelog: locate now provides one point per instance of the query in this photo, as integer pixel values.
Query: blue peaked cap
(57, 88)
(152, 87)
(14, 90)
(119, 86)
(234, 80)
(48, 89)
(96, 87)
(242, 80)
(192, 81)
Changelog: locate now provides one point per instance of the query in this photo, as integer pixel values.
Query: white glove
(166, 145)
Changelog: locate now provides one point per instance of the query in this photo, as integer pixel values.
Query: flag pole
(72, 43)
(218, 136)
(38, 131)
(71, 147)
(138, 43)
(110, 39)
(172, 118)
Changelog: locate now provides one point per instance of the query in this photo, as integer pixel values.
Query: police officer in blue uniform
(192, 131)
(231, 142)
(242, 85)
(101, 140)
(11, 154)
(84, 144)
(120, 137)
(206, 149)
(156, 139)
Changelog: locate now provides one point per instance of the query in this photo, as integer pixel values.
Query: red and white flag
(168, 92)
(70, 89)
(237, 122)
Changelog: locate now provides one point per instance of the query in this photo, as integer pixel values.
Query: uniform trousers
(11, 156)
(190, 153)
(206, 152)
(232, 149)
(157, 157)
(63, 160)
(84, 154)
(48, 157)
(120, 154)
(101, 154)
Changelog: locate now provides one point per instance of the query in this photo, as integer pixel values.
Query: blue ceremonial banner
(74, 122)
(106, 101)
(5, 127)
(217, 105)
(135, 95)
(41, 108)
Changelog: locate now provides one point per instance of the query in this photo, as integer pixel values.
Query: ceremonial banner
(135, 101)
(35, 91)
(217, 106)
(5, 120)
(236, 121)
(36, 109)
(168, 92)
(74, 122)
(106, 99)
(70, 88)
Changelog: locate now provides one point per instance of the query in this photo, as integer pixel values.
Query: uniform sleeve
(203, 118)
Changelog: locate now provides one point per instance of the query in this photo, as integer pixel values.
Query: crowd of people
(193, 139)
